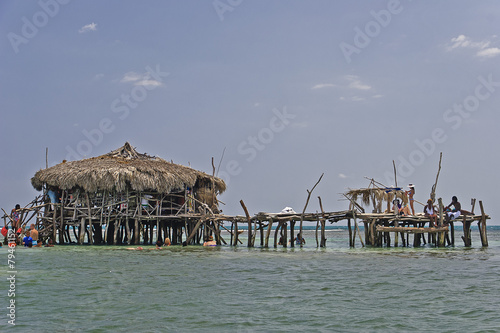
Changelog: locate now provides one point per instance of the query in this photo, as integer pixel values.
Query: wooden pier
(125, 197)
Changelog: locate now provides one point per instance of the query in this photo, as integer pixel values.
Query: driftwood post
(440, 224)
(61, 227)
(322, 243)
(235, 243)
(305, 207)
(268, 232)
(249, 220)
(433, 190)
(467, 236)
(292, 236)
(484, 238)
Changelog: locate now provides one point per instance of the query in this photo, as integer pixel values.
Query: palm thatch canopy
(121, 169)
(378, 194)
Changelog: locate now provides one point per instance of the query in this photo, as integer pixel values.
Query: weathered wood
(61, 223)
(440, 224)
(433, 190)
(351, 241)
(195, 229)
(305, 206)
(81, 231)
(249, 220)
(268, 232)
(482, 223)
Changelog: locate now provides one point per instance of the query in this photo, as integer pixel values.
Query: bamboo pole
(323, 222)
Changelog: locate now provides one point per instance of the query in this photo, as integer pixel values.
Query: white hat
(411, 185)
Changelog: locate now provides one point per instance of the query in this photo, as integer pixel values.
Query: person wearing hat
(430, 212)
(410, 194)
(210, 242)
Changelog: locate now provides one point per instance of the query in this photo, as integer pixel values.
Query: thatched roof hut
(121, 169)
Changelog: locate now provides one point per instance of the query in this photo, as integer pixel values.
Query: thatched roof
(122, 168)
(386, 194)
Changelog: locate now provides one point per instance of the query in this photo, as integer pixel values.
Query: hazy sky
(290, 90)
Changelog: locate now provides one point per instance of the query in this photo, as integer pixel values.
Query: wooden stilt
(81, 231)
(268, 232)
(482, 223)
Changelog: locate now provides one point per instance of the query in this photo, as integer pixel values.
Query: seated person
(405, 211)
(430, 212)
(452, 214)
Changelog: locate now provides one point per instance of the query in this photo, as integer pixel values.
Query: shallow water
(194, 289)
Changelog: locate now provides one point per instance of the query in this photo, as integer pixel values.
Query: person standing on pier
(430, 212)
(410, 195)
(453, 213)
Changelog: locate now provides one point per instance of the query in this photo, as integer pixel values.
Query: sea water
(238, 289)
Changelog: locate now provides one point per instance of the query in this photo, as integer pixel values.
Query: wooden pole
(323, 222)
(482, 223)
(249, 220)
(305, 206)
(268, 232)
(433, 190)
(61, 226)
(292, 236)
(441, 234)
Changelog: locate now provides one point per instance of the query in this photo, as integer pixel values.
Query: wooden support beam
(249, 220)
(268, 232)
(482, 223)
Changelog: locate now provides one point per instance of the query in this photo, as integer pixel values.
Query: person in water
(167, 242)
(410, 195)
(430, 212)
(299, 240)
(210, 242)
(159, 243)
(452, 214)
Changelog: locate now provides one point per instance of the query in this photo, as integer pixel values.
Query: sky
(276, 92)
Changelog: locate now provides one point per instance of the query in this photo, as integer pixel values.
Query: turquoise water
(225, 289)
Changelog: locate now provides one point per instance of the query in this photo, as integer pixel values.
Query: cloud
(99, 76)
(377, 96)
(341, 175)
(148, 83)
(323, 85)
(483, 47)
(131, 77)
(138, 79)
(490, 52)
(89, 27)
(355, 83)
(357, 99)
